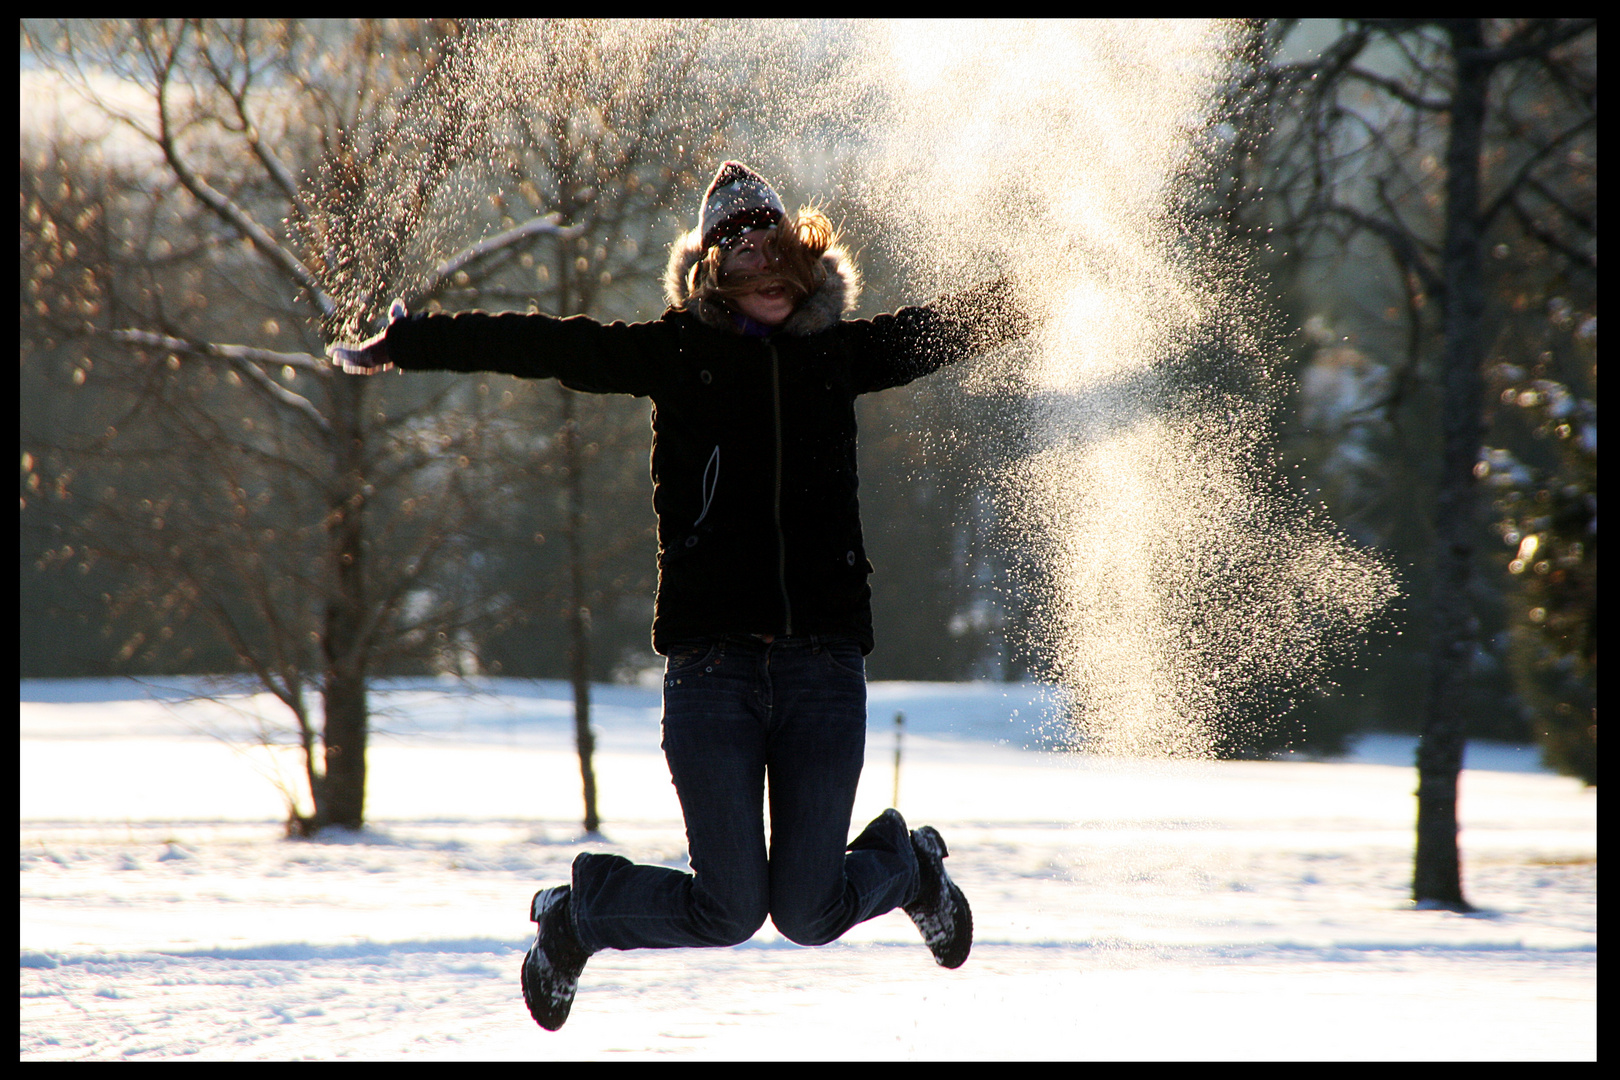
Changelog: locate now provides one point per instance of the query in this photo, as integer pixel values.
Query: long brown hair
(793, 254)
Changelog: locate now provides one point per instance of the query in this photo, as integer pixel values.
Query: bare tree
(258, 487)
(1415, 134)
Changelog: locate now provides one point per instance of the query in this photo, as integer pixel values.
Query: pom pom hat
(738, 200)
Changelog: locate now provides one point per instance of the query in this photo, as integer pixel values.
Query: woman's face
(773, 302)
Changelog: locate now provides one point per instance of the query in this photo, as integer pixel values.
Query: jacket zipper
(776, 501)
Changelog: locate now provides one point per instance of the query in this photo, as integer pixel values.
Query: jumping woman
(763, 609)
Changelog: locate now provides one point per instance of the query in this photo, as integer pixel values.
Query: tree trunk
(1437, 875)
(341, 798)
(579, 613)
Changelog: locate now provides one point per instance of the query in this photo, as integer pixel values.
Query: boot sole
(545, 1013)
(957, 956)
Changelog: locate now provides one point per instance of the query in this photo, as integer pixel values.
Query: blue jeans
(739, 711)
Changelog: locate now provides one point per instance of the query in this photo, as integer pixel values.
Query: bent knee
(738, 932)
(732, 927)
(805, 931)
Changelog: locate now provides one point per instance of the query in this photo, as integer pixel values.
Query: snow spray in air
(1181, 585)
(1178, 583)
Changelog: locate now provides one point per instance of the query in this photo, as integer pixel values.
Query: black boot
(553, 964)
(939, 909)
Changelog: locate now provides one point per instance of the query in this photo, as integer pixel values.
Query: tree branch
(303, 361)
(1583, 221)
(228, 211)
(250, 130)
(1396, 90)
(1523, 175)
(1401, 244)
(247, 360)
(539, 226)
(1551, 239)
(1538, 37)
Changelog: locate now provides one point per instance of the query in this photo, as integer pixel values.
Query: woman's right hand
(370, 356)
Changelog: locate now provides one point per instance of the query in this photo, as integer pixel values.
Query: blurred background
(203, 205)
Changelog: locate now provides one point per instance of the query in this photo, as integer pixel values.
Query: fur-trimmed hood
(819, 311)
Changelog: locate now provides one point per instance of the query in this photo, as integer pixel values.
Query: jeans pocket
(846, 656)
(686, 656)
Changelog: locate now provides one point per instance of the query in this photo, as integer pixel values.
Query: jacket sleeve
(892, 350)
(583, 354)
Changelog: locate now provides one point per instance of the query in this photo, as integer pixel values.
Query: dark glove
(371, 355)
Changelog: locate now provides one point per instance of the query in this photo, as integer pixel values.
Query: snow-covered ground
(1123, 910)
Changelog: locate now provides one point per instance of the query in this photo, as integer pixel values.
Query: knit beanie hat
(737, 201)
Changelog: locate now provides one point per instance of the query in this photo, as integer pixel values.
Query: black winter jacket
(754, 455)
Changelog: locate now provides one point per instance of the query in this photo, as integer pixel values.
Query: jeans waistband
(757, 641)
(797, 641)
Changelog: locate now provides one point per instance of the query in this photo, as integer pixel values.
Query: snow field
(1123, 910)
